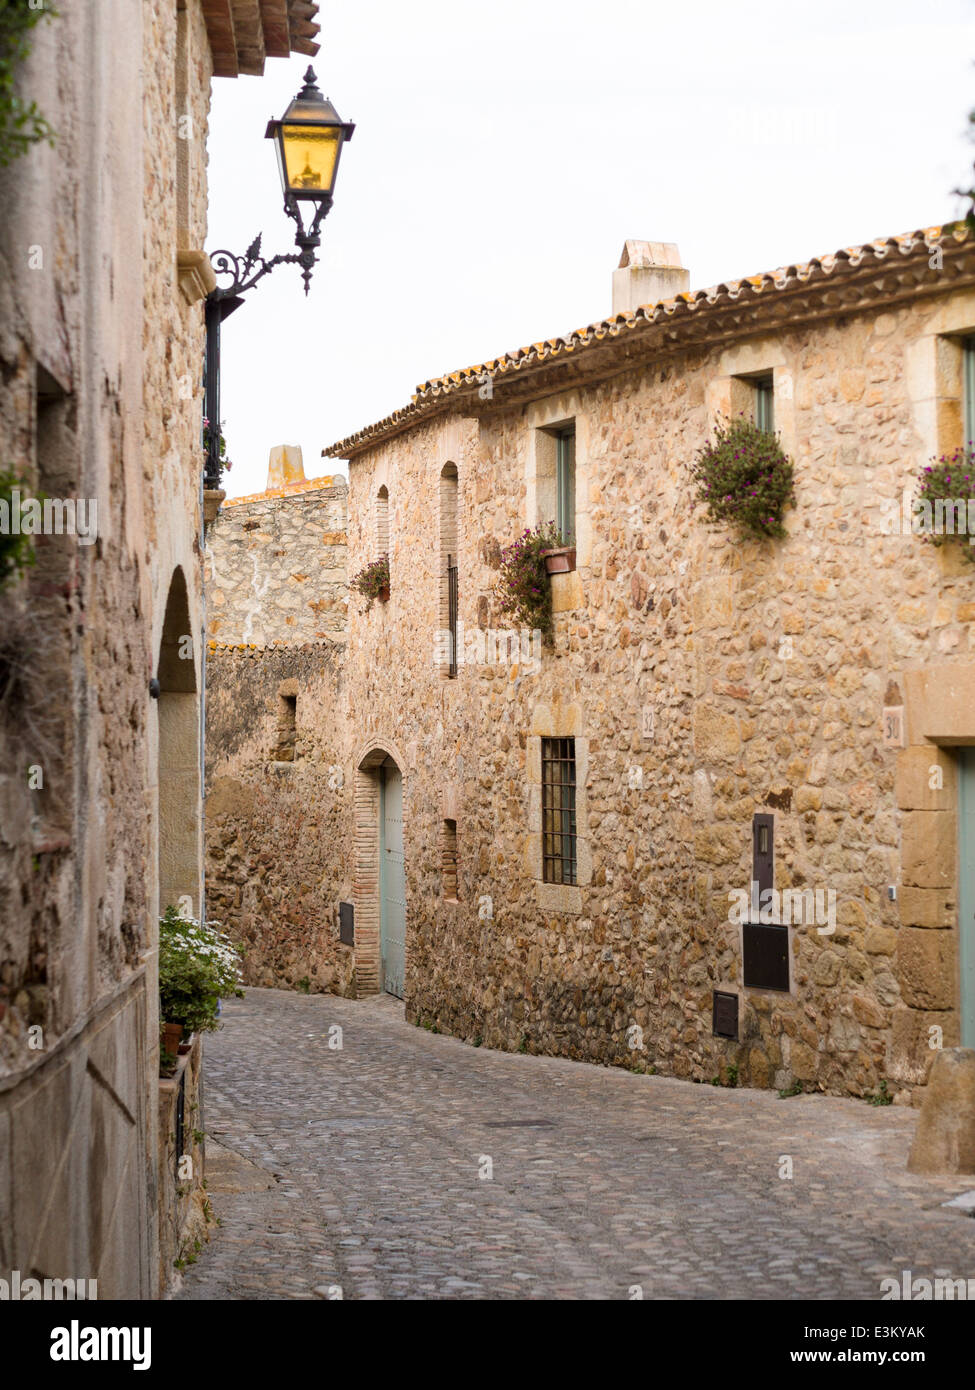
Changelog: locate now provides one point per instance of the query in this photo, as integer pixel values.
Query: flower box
(560, 559)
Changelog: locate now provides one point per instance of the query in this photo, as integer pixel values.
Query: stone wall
(277, 812)
(93, 412)
(185, 1212)
(766, 669)
(102, 276)
(276, 566)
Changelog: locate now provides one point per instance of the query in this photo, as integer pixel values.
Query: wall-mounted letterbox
(724, 1015)
(347, 924)
(765, 951)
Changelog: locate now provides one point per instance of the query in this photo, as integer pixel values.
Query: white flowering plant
(198, 966)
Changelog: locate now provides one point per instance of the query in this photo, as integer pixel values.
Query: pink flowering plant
(523, 590)
(944, 504)
(743, 476)
(225, 464)
(373, 580)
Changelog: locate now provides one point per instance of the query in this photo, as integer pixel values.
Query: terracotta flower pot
(560, 559)
(384, 594)
(170, 1036)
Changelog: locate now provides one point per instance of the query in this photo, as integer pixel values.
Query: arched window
(382, 522)
(448, 566)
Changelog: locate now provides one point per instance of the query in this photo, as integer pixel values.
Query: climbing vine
(21, 123)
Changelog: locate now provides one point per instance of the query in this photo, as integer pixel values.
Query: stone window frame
(545, 419)
(731, 390)
(558, 721)
(934, 376)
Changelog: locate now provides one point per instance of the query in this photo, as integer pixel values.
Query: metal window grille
(452, 613)
(969, 384)
(565, 481)
(559, 810)
(765, 405)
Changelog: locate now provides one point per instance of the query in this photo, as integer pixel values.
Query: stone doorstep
(230, 1172)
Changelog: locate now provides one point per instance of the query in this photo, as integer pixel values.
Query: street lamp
(308, 142)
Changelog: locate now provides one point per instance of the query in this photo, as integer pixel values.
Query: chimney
(285, 466)
(648, 272)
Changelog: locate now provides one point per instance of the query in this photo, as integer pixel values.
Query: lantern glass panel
(310, 157)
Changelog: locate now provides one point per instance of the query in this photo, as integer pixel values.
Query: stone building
(102, 343)
(276, 801)
(542, 844)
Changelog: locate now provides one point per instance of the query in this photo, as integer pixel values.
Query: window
(448, 564)
(565, 484)
(287, 729)
(449, 860)
(968, 388)
(559, 861)
(764, 405)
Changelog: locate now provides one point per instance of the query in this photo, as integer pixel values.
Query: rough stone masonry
(824, 682)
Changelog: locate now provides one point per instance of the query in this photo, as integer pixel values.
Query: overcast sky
(503, 153)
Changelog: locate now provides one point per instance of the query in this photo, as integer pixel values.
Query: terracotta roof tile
(430, 394)
(288, 490)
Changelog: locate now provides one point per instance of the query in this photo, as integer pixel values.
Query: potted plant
(944, 504)
(743, 476)
(523, 590)
(198, 966)
(373, 581)
(208, 435)
(559, 559)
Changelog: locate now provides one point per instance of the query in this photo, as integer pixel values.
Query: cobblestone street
(359, 1169)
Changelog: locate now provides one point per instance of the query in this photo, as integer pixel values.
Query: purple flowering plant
(523, 590)
(743, 476)
(373, 580)
(945, 499)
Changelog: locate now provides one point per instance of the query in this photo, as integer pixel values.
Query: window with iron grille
(452, 613)
(559, 810)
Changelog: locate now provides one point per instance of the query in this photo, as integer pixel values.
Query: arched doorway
(179, 784)
(380, 879)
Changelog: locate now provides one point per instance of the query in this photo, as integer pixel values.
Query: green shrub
(21, 123)
(16, 551)
(198, 966)
(743, 476)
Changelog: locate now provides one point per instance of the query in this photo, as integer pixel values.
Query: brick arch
(373, 752)
(365, 887)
